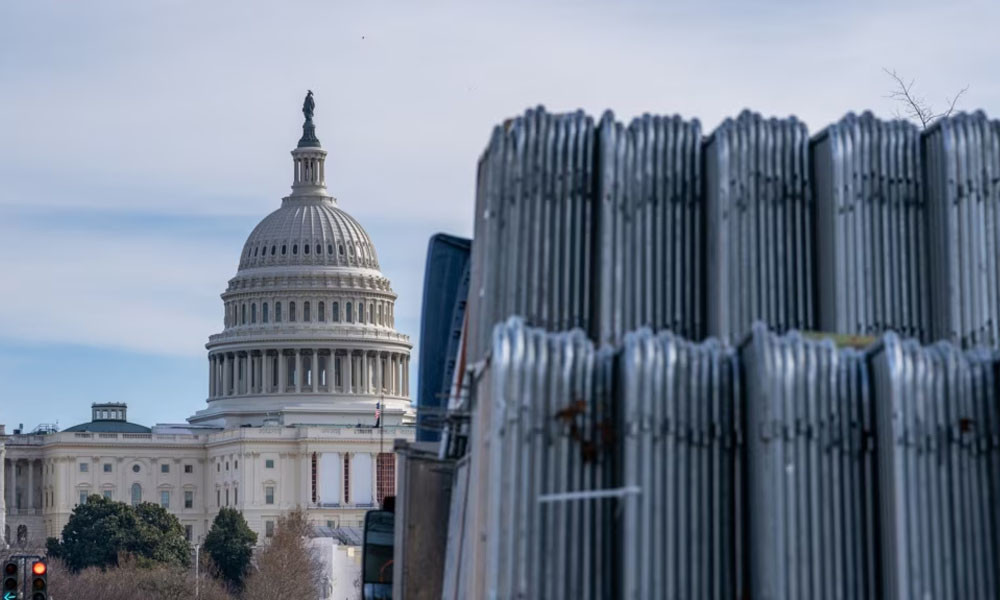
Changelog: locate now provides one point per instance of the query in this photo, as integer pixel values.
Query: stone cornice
(317, 281)
(245, 337)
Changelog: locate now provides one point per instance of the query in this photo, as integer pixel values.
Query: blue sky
(141, 141)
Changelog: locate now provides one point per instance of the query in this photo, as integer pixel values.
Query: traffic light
(39, 581)
(10, 580)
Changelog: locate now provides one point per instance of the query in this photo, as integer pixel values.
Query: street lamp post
(197, 570)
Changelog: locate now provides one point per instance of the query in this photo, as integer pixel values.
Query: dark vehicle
(376, 557)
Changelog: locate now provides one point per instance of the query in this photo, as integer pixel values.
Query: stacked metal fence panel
(532, 250)
(759, 226)
(679, 532)
(962, 166)
(936, 414)
(871, 244)
(810, 469)
(650, 228)
(548, 401)
(600, 229)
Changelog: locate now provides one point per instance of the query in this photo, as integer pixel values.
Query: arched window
(335, 312)
(361, 312)
(371, 313)
(136, 494)
(243, 315)
(277, 312)
(291, 312)
(305, 248)
(322, 312)
(253, 312)
(306, 314)
(273, 250)
(263, 313)
(284, 249)
(319, 249)
(329, 248)
(341, 249)
(295, 248)
(348, 316)
(380, 314)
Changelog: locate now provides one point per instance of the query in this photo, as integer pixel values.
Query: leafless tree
(286, 565)
(128, 582)
(915, 106)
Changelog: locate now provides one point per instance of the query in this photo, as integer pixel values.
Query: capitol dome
(309, 233)
(309, 319)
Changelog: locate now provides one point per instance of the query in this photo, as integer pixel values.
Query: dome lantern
(309, 158)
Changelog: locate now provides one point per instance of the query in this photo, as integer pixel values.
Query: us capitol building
(307, 355)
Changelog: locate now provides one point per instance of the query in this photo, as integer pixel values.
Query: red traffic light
(38, 568)
(10, 568)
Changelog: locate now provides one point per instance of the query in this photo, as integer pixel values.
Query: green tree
(230, 544)
(101, 531)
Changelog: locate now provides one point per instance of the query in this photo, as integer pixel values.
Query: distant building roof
(109, 417)
(109, 426)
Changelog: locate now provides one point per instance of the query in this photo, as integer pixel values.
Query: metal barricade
(759, 226)
(936, 412)
(871, 238)
(680, 452)
(962, 163)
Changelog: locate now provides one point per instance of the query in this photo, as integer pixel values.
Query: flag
(378, 414)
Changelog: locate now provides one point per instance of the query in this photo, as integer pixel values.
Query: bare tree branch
(914, 106)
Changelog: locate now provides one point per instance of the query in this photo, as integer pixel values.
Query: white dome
(309, 330)
(309, 232)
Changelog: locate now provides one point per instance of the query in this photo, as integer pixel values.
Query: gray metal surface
(649, 246)
(597, 228)
(620, 472)
(759, 228)
(936, 414)
(423, 502)
(871, 238)
(810, 469)
(547, 414)
(962, 164)
(679, 447)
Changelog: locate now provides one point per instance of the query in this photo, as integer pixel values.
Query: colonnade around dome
(309, 370)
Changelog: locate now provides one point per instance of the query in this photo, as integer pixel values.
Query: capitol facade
(308, 386)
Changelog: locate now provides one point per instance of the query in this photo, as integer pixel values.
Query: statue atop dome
(309, 106)
(309, 139)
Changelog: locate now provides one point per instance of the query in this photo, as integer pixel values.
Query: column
(366, 380)
(315, 371)
(3, 487)
(31, 483)
(282, 372)
(331, 371)
(265, 372)
(13, 484)
(406, 376)
(379, 374)
(298, 371)
(230, 374)
(390, 363)
(221, 373)
(347, 368)
(395, 374)
(211, 383)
